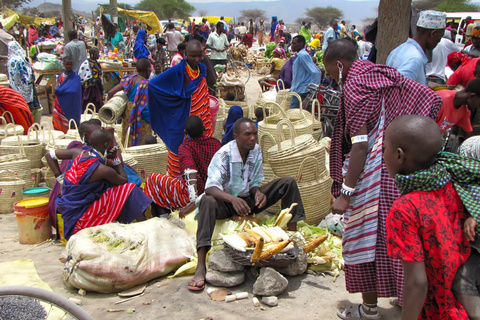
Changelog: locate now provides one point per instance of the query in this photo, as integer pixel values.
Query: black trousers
(211, 209)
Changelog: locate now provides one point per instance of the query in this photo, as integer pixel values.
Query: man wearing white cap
(409, 58)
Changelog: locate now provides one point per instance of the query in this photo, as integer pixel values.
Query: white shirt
(174, 38)
(218, 42)
(471, 50)
(439, 58)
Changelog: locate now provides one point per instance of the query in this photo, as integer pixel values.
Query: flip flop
(356, 313)
(197, 285)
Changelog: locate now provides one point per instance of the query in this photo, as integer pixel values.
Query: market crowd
(410, 209)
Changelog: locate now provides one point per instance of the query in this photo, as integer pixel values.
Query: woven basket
(72, 132)
(264, 140)
(19, 164)
(112, 111)
(282, 94)
(8, 127)
(242, 104)
(315, 194)
(48, 131)
(11, 186)
(286, 157)
(287, 100)
(130, 160)
(151, 158)
(317, 122)
(261, 63)
(89, 113)
(221, 116)
(34, 150)
(300, 122)
(48, 177)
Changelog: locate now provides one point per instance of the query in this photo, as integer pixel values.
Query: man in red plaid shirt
(195, 154)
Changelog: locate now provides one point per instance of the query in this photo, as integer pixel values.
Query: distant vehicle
(177, 24)
(458, 18)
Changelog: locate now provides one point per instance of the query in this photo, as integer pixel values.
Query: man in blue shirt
(304, 71)
(409, 58)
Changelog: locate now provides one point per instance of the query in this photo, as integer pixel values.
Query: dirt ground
(308, 296)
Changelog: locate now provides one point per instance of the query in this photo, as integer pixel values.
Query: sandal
(394, 302)
(357, 313)
(196, 285)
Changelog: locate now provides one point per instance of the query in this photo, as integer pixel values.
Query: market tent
(210, 19)
(148, 17)
(12, 17)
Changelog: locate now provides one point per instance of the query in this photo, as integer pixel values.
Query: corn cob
(250, 240)
(267, 254)
(253, 234)
(266, 237)
(257, 252)
(315, 243)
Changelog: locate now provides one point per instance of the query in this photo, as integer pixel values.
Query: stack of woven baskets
(289, 157)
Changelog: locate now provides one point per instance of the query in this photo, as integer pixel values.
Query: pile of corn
(239, 53)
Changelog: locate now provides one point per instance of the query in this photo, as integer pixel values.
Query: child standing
(425, 225)
(68, 97)
(91, 76)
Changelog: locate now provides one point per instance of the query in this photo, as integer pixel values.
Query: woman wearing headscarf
(278, 61)
(235, 113)
(21, 76)
(464, 67)
(140, 49)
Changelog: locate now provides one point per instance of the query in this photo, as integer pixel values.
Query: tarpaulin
(210, 19)
(147, 17)
(12, 17)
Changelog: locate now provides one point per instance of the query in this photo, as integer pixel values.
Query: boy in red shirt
(456, 106)
(425, 225)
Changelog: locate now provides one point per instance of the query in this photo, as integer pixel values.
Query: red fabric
(454, 57)
(14, 102)
(197, 154)
(450, 116)
(427, 226)
(167, 192)
(464, 74)
(59, 120)
(366, 86)
(78, 169)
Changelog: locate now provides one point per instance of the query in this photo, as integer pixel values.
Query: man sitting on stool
(232, 187)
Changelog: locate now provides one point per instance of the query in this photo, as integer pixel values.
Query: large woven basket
(19, 164)
(221, 116)
(243, 104)
(8, 127)
(48, 131)
(315, 194)
(287, 100)
(48, 177)
(72, 132)
(11, 186)
(282, 94)
(301, 124)
(32, 146)
(268, 174)
(112, 111)
(89, 113)
(151, 158)
(286, 157)
(317, 122)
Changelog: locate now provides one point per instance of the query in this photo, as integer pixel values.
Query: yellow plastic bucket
(32, 219)
(61, 228)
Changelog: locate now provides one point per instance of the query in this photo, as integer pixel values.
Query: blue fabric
(235, 113)
(410, 60)
(304, 72)
(76, 199)
(170, 102)
(69, 95)
(272, 28)
(139, 49)
(132, 175)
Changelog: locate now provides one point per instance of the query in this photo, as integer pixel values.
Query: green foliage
(319, 57)
(105, 6)
(269, 47)
(13, 4)
(167, 9)
(322, 16)
(456, 6)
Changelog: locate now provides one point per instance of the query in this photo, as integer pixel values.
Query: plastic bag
(334, 223)
(116, 257)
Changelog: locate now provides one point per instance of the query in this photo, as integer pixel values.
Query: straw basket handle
(90, 109)
(3, 120)
(34, 128)
(282, 87)
(294, 94)
(271, 115)
(316, 103)
(127, 137)
(10, 125)
(221, 104)
(21, 149)
(72, 121)
(10, 115)
(281, 136)
(262, 137)
(298, 178)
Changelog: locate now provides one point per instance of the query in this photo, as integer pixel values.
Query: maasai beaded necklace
(193, 73)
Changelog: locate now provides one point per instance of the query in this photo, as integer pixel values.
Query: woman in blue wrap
(235, 113)
(140, 49)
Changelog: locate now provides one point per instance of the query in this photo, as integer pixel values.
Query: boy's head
(94, 53)
(259, 113)
(473, 88)
(411, 144)
(68, 63)
(194, 127)
(157, 67)
(160, 43)
(230, 96)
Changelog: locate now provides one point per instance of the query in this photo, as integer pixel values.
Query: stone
(270, 301)
(298, 267)
(224, 279)
(269, 283)
(221, 261)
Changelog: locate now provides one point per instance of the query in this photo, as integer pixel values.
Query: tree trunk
(67, 15)
(393, 26)
(114, 10)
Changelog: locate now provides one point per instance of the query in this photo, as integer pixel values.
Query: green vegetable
(319, 56)
(269, 47)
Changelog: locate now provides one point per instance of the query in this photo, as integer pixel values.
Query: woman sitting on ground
(278, 61)
(94, 192)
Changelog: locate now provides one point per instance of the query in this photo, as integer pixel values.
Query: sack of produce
(115, 257)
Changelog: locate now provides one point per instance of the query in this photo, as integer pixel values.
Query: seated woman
(94, 192)
(278, 61)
